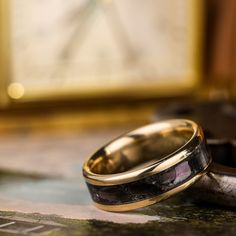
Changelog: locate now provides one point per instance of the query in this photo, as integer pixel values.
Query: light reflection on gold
(144, 153)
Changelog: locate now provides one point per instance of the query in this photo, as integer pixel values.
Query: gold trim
(150, 201)
(151, 167)
(196, 30)
(4, 53)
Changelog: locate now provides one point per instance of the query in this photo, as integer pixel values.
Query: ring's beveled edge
(153, 188)
(174, 158)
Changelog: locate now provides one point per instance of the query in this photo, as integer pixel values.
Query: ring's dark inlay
(154, 185)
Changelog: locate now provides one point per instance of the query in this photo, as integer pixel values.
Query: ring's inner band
(134, 150)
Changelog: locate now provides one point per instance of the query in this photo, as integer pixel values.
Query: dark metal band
(154, 185)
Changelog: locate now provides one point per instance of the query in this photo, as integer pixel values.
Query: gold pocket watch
(57, 49)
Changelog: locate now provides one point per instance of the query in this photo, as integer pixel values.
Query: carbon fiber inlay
(154, 185)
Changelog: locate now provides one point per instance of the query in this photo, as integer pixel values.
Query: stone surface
(177, 217)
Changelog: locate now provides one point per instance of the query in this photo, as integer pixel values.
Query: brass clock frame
(131, 92)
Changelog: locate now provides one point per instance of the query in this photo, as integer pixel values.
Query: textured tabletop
(42, 191)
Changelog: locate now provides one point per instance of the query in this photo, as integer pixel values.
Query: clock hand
(83, 15)
(132, 56)
(116, 26)
(77, 11)
(119, 30)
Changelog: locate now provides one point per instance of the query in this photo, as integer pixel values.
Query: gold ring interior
(137, 149)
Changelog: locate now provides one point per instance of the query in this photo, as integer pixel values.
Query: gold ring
(147, 165)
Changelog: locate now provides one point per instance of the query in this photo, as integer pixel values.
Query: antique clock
(57, 49)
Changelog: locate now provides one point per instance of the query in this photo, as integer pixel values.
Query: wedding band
(147, 165)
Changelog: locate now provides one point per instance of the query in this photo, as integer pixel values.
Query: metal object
(218, 185)
(147, 165)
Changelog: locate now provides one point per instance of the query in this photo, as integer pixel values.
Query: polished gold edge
(151, 201)
(156, 167)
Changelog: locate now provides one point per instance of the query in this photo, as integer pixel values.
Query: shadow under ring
(147, 165)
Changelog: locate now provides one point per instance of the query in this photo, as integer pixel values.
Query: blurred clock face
(85, 45)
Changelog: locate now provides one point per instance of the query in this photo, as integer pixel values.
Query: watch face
(82, 46)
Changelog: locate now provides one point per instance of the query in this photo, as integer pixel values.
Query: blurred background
(75, 74)
(75, 63)
(79, 67)
(83, 63)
